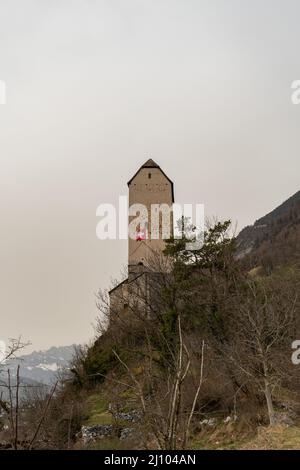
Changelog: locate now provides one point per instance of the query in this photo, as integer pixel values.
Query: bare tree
(263, 322)
(165, 412)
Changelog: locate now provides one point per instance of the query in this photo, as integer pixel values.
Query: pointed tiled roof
(151, 164)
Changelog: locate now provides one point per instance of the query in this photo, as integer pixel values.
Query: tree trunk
(269, 400)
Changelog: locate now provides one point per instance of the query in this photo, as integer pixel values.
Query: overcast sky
(96, 87)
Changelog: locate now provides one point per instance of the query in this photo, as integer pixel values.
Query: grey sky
(94, 88)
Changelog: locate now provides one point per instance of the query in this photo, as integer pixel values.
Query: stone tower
(149, 186)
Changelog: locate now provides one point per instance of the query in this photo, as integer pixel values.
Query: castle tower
(150, 186)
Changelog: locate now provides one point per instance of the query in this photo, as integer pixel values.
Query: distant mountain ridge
(275, 236)
(41, 366)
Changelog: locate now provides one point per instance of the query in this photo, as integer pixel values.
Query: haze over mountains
(41, 366)
(274, 238)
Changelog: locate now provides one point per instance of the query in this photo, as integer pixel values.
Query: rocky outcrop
(131, 416)
(92, 433)
(99, 431)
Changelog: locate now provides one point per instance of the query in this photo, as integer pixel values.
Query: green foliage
(196, 274)
(97, 410)
(212, 253)
(99, 361)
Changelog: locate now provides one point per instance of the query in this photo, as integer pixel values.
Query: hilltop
(275, 238)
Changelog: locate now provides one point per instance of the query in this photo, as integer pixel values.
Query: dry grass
(275, 438)
(231, 436)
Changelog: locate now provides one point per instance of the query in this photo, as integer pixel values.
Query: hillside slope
(275, 238)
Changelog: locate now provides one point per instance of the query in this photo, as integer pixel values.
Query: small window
(149, 176)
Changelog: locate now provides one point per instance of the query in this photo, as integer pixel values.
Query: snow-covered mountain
(41, 366)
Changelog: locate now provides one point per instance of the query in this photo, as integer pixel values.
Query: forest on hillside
(198, 354)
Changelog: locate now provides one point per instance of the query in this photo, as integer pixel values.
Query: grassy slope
(276, 438)
(97, 411)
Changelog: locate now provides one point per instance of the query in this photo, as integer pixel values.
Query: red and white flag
(141, 235)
